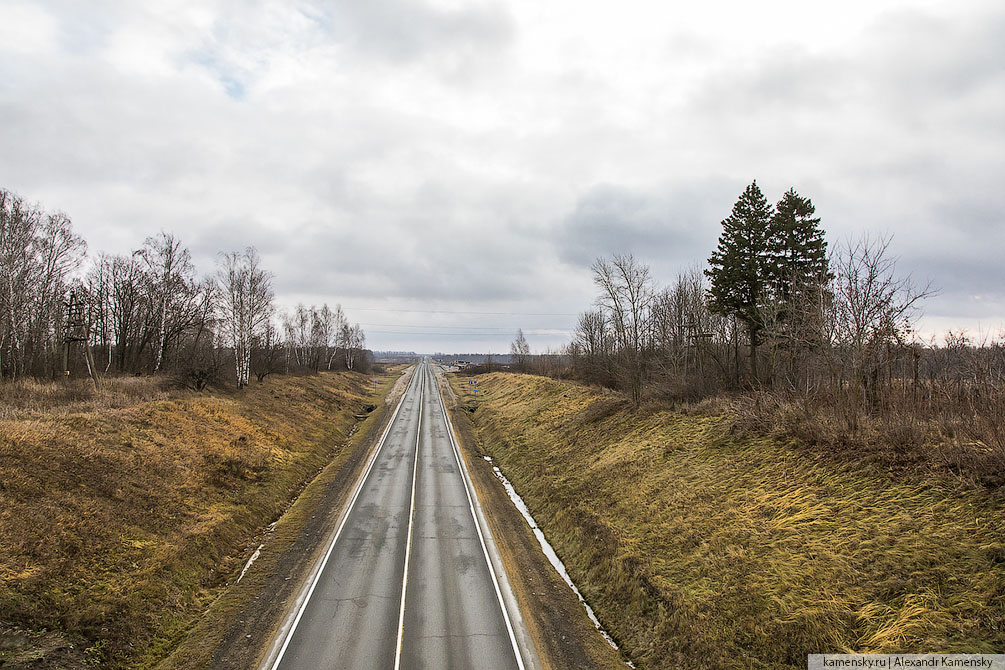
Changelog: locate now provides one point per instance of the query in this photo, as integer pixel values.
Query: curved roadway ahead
(407, 582)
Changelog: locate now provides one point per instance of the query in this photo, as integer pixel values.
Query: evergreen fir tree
(798, 248)
(741, 268)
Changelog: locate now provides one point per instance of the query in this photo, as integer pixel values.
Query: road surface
(407, 582)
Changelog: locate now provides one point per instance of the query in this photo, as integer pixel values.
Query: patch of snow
(549, 552)
(250, 561)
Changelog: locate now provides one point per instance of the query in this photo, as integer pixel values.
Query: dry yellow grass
(701, 548)
(25, 398)
(123, 512)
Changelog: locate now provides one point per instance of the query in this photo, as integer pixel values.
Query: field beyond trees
(700, 542)
(124, 511)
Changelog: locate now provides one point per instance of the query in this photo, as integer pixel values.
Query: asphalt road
(407, 582)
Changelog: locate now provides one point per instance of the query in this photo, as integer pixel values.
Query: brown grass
(963, 439)
(702, 543)
(26, 397)
(122, 512)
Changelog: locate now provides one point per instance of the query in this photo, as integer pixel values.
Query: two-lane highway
(406, 582)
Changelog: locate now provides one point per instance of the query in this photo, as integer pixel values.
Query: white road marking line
(408, 543)
(338, 532)
(481, 536)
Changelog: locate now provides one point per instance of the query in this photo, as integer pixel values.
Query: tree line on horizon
(775, 312)
(771, 308)
(150, 312)
(802, 316)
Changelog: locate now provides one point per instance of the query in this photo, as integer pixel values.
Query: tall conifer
(741, 268)
(796, 242)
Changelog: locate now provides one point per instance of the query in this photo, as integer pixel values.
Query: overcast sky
(468, 160)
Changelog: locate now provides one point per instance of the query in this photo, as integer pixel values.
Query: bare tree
(520, 351)
(625, 297)
(246, 305)
(18, 225)
(98, 286)
(682, 327)
(38, 254)
(351, 341)
(313, 336)
(871, 308)
(591, 333)
(170, 283)
(201, 361)
(128, 311)
(297, 328)
(318, 341)
(334, 330)
(592, 344)
(267, 353)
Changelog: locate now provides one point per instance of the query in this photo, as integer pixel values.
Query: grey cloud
(358, 176)
(405, 30)
(240, 46)
(234, 234)
(671, 228)
(979, 217)
(925, 56)
(427, 254)
(960, 253)
(785, 82)
(895, 134)
(911, 77)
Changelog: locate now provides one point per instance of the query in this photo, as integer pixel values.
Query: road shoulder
(240, 625)
(562, 634)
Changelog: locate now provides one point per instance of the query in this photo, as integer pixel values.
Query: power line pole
(76, 331)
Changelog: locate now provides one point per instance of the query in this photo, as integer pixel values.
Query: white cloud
(435, 154)
(27, 29)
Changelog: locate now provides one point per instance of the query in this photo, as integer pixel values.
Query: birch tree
(351, 341)
(171, 278)
(38, 254)
(245, 306)
(98, 285)
(520, 350)
(338, 320)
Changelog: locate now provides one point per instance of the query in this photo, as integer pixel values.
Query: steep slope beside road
(121, 521)
(696, 544)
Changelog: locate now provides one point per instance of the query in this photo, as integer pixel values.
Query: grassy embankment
(700, 546)
(124, 513)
